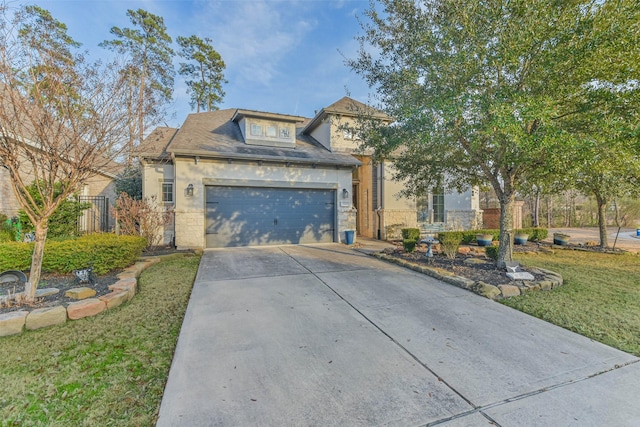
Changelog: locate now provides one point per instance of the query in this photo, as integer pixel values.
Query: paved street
(326, 336)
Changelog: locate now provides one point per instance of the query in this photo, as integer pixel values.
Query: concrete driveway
(327, 336)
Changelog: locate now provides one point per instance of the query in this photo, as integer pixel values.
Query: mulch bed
(65, 282)
(59, 281)
(486, 272)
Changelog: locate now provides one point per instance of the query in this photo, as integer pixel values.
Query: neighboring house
(248, 178)
(99, 190)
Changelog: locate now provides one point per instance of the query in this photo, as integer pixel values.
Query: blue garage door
(249, 216)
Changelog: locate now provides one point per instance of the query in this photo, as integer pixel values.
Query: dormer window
(256, 129)
(272, 131)
(267, 129)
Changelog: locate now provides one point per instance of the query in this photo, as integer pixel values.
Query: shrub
(105, 252)
(64, 221)
(450, 242)
(409, 245)
(536, 234)
(411, 234)
(492, 252)
(142, 218)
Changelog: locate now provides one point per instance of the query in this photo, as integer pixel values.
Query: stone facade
(463, 220)
(395, 220)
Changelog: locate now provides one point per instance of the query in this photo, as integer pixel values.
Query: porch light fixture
(190, 190)
(345, 193)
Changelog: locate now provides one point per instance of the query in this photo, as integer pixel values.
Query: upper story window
(272, 131)
(348, 134)
(284, 133)
(256, 129)
(167, 192)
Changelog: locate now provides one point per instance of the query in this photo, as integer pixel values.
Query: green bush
(105, 252)
(492, 252)
(450, 242)
(409, 245)
(536, 234)
(15, 256)
(411, 234)
(64, 221)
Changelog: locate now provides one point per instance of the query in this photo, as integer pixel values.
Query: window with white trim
(166, 190)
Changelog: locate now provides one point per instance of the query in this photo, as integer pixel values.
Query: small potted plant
(520, 238)
(561, 239)
(484, 239)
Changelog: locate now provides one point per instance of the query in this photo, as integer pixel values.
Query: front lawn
(600, 298)
(104, 370)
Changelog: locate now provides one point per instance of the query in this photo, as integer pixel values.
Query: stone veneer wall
(463, 220)
(190, 229)
(346, 221)
(395, 220)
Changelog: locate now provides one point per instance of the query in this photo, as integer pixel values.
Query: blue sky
(281, 56)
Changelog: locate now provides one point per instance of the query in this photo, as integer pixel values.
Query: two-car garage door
(250, 216)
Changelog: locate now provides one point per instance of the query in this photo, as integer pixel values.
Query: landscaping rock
(80, 293)
(509, 290)
(126, 275)
(546, 285)
(115, 298)
(48, 316)
(128, 285)
(45, 292)
(464, 250)
(486, 290)
(85, 308)
(521, 275)
(12, 323)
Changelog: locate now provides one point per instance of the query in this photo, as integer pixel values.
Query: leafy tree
(487, 91)
(608, 169)
(149, 70)
(64, 221)
(61, 118)
(129, 181)
(204, 72)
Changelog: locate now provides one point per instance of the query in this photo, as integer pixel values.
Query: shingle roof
(214, 134)
(156, 143)
(346, 107)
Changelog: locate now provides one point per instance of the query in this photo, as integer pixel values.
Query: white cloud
(255, 38)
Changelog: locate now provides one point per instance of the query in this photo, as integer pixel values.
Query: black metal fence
(96, 218)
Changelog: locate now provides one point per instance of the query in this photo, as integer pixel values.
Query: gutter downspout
(381, 202)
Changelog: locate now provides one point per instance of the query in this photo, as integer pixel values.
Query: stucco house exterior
(239, 177)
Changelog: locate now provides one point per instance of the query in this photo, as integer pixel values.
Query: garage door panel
(243, 216)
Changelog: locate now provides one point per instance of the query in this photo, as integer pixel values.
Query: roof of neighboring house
(156, 143)
(345, 107)
(28, 135)
(215, 134)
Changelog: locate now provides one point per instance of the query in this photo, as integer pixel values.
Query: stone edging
(15, 322)
(550, 281)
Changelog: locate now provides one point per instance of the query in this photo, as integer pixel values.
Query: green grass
(600, 298)
(105, 370)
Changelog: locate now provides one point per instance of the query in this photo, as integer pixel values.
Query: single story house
(239, 177)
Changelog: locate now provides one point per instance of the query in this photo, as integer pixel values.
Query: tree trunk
(36, 261)
(602, 220)
(507, 201)
(536, 210)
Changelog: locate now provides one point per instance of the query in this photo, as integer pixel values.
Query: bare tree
(60, 117)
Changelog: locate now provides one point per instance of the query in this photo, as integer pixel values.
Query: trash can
(350, 236)
(637, 232)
